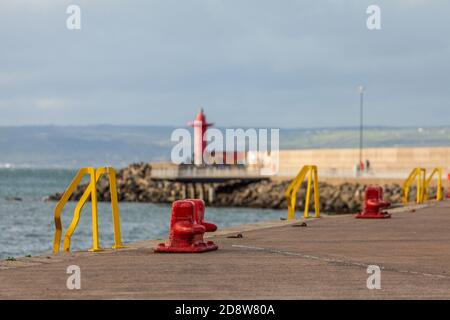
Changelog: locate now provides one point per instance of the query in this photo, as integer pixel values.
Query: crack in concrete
(340, 261)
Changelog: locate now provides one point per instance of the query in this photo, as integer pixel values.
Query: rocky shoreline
(135, 184)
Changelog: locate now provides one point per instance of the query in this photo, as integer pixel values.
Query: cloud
(48, 104)
(247, 62)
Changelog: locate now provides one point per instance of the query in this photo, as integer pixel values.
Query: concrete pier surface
(327, 259)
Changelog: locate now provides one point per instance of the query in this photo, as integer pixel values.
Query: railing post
(316, 193)
(423, 187)
(308, 193)
(419, 186)
(93, 186)
(291, 206)
(115, 208)
(439, 185)
(406, 184)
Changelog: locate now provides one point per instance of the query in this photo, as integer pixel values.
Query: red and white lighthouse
(200, 126)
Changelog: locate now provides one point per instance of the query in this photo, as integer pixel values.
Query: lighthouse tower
(200, 126)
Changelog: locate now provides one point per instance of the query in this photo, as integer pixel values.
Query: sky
(259, 63)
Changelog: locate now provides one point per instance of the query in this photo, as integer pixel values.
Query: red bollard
(373, 204)
(199, 218)
(199, 215)
(186, 233)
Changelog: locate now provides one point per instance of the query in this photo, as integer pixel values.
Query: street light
(361, 99)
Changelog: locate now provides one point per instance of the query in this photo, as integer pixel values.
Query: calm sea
(26, 222)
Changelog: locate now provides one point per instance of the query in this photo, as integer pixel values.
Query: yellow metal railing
(91, 191)
(422, 184)
(427, 183)
(418, 174)
(292, 189)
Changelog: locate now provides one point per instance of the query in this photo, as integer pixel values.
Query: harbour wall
(384, 162)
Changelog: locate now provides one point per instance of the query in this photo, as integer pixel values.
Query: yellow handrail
(423, 184)
(439, 184)
(91, 191)
(420, 174)
(62, 202)
(292, 189)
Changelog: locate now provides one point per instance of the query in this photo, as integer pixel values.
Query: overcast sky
(263, 63)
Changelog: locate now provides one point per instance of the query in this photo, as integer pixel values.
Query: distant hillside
(75, 146)
(373, 137)
(52, 146)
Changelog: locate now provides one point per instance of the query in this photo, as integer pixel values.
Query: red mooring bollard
(199, 217)
(373, 204)
(187, 227)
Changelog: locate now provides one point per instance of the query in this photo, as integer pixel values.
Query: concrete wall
(385, 162)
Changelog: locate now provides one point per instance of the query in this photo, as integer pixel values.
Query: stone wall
(385, 162)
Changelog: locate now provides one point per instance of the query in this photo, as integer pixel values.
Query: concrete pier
(327, 259)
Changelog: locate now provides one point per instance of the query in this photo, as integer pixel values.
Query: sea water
(27, 225)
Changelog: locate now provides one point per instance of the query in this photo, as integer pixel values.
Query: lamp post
(361, 100)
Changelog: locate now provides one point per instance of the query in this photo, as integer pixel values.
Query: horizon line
(224, 127)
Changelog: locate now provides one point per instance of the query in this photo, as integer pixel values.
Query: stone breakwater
(135, 184)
